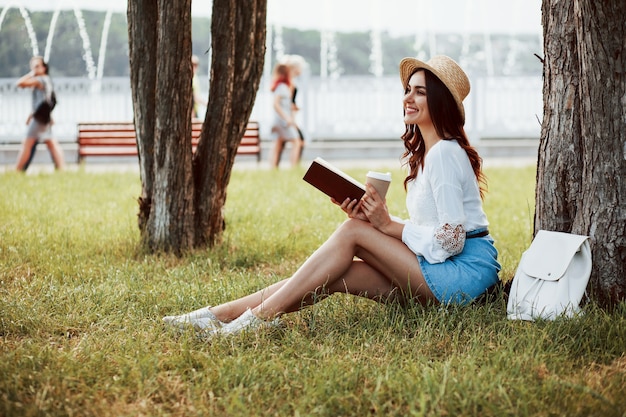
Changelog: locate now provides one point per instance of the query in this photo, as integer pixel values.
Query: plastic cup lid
(382, 176)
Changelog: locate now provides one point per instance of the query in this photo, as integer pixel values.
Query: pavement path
(99, 167)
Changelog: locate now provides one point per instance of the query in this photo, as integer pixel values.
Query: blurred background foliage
(354, 49)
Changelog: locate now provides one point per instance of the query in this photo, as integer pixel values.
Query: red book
(333, 182)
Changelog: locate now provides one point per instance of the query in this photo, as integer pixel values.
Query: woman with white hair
(284, 127)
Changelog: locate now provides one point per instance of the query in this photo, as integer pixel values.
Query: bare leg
(233, 309)
(301, 143)
(279, 144)
(32, 156)
(23, 157)
(388, 267)
(57, 154)
(296, 150)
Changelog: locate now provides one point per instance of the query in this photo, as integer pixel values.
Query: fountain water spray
(53, 25)
(3, 14)
(103, 43)
(31, 32)
(27, 22)
(279, 46)
(514, 48)
(329, 56)
(88, 57)
(376, 54)
(329, 64)
(423, 34)
(466, 59)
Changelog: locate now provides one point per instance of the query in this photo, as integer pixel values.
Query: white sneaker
(201, 319)
(247, 321)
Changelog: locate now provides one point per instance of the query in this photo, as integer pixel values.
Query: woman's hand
(374, 208)
(352, 208)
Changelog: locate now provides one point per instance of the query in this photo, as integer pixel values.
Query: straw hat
(443, 68)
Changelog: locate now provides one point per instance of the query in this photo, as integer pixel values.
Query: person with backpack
(39, 121)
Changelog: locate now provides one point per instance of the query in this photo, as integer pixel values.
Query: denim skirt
(462, 278)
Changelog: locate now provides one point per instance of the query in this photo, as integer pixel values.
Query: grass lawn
(81, 307)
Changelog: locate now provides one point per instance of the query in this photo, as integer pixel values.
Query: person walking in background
(195, 88)
(39, 121)
(296, 66)
(284, 128)
(443, 254)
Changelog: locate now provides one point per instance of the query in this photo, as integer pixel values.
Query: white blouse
(443, 204)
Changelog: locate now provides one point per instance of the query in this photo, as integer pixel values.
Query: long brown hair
(447, 120)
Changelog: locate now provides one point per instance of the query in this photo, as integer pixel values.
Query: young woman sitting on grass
(443, 254)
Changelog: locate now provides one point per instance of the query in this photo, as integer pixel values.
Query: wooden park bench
(118, 139)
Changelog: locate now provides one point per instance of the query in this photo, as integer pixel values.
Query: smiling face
(415, 101)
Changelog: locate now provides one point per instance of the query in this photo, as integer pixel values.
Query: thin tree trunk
(559, 168)
(142, 18)
(238, 51)
(170, 225)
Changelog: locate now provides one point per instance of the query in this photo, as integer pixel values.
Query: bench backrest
(126, 130)
(118, 139)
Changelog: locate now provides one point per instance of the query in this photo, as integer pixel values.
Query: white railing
(350, 107)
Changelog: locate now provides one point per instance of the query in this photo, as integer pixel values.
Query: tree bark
(238, 51)
(581, 175)
(142, 39)
(601, 30)
(183, 194)
(170, 224)
(160, 62)
(559, 168)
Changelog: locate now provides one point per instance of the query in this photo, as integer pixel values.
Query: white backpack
(551, 278)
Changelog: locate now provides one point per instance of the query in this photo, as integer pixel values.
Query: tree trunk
(183, 195)
(559, 168)
(170, 225)
(160, 58)
(581, 174)
(238, 51)
(142, 39)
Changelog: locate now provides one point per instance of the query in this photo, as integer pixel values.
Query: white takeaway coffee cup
(380, 181)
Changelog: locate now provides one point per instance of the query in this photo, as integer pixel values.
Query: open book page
(333, 182)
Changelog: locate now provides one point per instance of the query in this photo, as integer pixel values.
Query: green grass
(81, 307)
